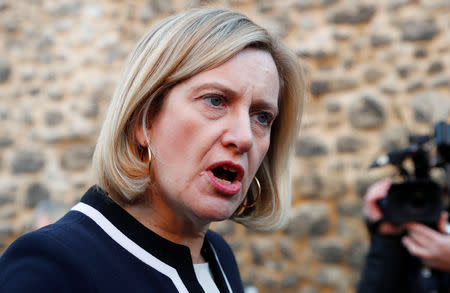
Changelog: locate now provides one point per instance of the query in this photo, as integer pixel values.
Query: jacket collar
(172, 254)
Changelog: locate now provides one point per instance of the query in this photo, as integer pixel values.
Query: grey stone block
(36, 192)
(419, 30)
(366, 112)
(310, 146)
(27, 162)
(5, 70)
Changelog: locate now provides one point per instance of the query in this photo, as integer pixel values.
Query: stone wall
(379, 71)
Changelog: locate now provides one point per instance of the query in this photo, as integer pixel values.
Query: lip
(227, 188)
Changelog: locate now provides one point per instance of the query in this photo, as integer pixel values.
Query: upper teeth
(227, 168)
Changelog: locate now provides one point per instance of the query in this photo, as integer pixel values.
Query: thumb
(443, 221)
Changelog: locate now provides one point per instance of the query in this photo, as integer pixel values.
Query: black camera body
(417, 198)
(413, 201)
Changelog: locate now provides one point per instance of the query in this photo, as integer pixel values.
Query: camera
(418, 198)
(413, 201)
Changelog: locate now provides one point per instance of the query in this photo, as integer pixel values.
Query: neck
(171, 225)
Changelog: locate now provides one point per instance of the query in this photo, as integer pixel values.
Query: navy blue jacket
(99, 247)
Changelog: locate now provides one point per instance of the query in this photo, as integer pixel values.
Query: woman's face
(212, 134)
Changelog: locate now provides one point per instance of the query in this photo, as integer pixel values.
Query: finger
(417, 242)
(444, 216)
(377, 191)
(443, 221)
(420, 238)
(422, 231)
(414, 248)
(372, 211)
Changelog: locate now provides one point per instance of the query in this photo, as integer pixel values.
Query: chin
(212, 207)
(216, 214)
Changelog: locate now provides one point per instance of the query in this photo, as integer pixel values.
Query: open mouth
(226, 176)
(227, 172)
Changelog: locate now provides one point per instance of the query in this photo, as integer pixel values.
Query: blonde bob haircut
(173, 51)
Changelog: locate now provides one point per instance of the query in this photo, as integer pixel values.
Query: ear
(140, 136)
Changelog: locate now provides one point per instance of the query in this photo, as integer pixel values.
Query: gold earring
(258, 196)
(149, 159)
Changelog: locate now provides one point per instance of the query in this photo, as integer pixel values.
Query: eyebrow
(215, 85)
(263, 105)
(258, 104)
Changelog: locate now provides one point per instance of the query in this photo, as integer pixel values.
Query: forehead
(250, 72)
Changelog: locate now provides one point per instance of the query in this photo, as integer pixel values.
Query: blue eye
(215, 101)
(263, 118)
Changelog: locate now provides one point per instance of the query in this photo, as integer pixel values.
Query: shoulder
(29, 264)
(39, 261)
(66, 237)
(51, 239)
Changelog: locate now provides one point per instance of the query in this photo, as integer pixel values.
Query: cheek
(258, 156)
(176, 139)
(172, 146)
(172, 137)
(264, 148)
(266, 145)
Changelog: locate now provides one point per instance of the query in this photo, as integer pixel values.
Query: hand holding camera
(409, 248)
(417, 198)
(389, 206)
(373, 213)
(415, 206)
(431, 245)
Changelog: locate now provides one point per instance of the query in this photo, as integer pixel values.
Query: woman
(200, 129)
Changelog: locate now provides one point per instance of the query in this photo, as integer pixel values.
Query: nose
(238, 134)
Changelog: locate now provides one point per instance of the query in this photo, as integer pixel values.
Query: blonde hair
(174, 50)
